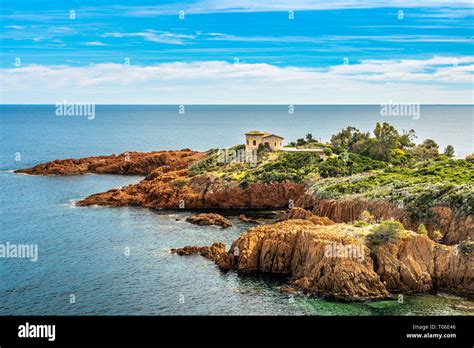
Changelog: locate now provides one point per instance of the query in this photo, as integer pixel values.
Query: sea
(116, 261)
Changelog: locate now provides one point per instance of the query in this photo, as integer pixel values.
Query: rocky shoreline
(335, 261)
(297, 245)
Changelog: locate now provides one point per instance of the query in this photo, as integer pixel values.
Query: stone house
(271, 141)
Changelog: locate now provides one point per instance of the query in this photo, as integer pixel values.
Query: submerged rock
(244, 218)
(209, 219)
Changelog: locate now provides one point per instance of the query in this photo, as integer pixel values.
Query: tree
(407, 138)
(300, 142)
(428, 149)
(309, 137)
(385, 142)
(350, 139)
(449, 151)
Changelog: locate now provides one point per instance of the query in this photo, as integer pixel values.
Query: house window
(255, 142)
(247, 141)
(275, 144)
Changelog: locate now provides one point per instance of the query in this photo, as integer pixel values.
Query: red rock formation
(209, 219)
(417, 264)
(302, 214)
(174, 190)
(133, 163)
(455, 226)
(352, 269)
(298, 248)
(212, 253)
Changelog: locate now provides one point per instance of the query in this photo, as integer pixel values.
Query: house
(253, 139)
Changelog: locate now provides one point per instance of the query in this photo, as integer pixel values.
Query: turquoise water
(82, 250)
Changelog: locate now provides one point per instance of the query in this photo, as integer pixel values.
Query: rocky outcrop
(302, 214)
(209, 219)
(308, 255)
(454, 226)
(175, 190)
(213, 252)
(129, 163)
(336, 262)
(417, 264)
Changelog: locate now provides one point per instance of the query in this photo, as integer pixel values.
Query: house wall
(249, 142)
(275, 143)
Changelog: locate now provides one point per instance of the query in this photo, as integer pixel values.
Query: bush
(367, 217)
(360, 223)
(437, 236)
(327, 151)
(387, 232)
(422, 229)
(466, 247)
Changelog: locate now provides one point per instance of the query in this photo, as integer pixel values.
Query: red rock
(209, 219)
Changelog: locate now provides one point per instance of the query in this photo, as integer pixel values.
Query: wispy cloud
(213, 6)
(435, 80)
(156, 36)
(95, 43)
(345, 38)
(15, 27)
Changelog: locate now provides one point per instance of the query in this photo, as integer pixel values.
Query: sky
(218, 52)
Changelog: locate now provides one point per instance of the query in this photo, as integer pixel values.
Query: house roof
(263, 134)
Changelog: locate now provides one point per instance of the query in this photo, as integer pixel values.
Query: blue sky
(341, 52)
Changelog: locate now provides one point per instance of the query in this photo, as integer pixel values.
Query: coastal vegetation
(387, 232)
(443, 181)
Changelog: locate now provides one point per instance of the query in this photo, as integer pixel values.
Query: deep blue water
(82, 250)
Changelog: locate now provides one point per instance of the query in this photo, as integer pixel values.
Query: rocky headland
(338, 261)
(402, 189)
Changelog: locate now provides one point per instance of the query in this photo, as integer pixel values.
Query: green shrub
(327, 151)
(437, 236)
(422, 229)
(367, 217)
(360, 224)
(387, 232)
(466, 247)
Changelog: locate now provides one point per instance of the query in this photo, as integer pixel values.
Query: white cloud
(94, 43)
(212, 6)
(16, 27)
(435, 80)
(156, 36)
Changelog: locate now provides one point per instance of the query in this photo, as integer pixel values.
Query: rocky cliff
(336, 262)
(168, 185)
(175, 190)
(455, 226)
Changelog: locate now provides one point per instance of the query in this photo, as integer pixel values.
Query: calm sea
(83, 252)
